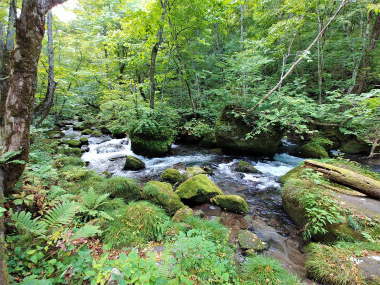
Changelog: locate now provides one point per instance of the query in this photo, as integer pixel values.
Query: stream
(266, 218)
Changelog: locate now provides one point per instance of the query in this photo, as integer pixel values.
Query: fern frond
(24, 223)
(86, 231)
(61, 214)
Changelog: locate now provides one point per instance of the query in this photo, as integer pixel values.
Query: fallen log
(354, 180)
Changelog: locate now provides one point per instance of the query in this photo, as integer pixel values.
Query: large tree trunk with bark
(354, 180)
(43, 109)
(17, 96)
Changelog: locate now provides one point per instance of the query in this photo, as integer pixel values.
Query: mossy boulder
(72, 143)
(355, 146)
(231, 135)
(316, 148)
(245, 167)
(311, 201)
(133, 163)
(87, 132)
(162, 193)
(70, 151)
(172, 176)
(194, 170)
(231, 203)
(250, 242)
(54, 134)
(150, 147)
(182, 214)
(83, 141)
(198, 189)
(312, 150)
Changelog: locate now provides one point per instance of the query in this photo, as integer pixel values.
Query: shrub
(262, 270)
(203, 261)
(136, 224)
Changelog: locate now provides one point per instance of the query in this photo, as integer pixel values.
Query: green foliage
(92, 205)
(194, 257)
(120, 187)
(260, 270)
(136, 224)
(196, 128)
(321, 211)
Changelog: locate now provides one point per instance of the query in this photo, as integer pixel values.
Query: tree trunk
(43, 109)
(19, 95)
(361, 183)
(154, 52)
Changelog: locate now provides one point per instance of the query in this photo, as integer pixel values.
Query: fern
(86, 231)
(61, 214)
(24, 223)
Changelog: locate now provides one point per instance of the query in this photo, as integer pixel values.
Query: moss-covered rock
(66, 150)
(198, 189)
(232, 203)
(355, 146)
(327, 211)
(344, 263)
(54, 134)
(162, 193)
(317, 147)
(231, 132)
(120, 187)
(312, 150)
(83, 140)
(182, 214)
(245, 167)
(87, 132)
(150, 147)
(72, 143)
(97, 133)
(194, 170)
(172, 176)
(133, 163)
(249, 241)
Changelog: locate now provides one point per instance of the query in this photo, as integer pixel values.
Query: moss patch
(198, 189)
(232, 203)
(133, 163)
(149, 147)
(182, 214)
(120, 187)
(172, 176)
(245, 167)
(162, 193)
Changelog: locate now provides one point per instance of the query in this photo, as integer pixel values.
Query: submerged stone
(250, 242)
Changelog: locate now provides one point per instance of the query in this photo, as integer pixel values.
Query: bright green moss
(73, 143)
(182, 214)
(133, 163)
(68, 161)
(198, 189)
(162, 193)
(172, 176)
(232, 203)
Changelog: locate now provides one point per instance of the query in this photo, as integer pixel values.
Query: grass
(263, 270)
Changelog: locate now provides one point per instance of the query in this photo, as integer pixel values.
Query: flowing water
(262, 191)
